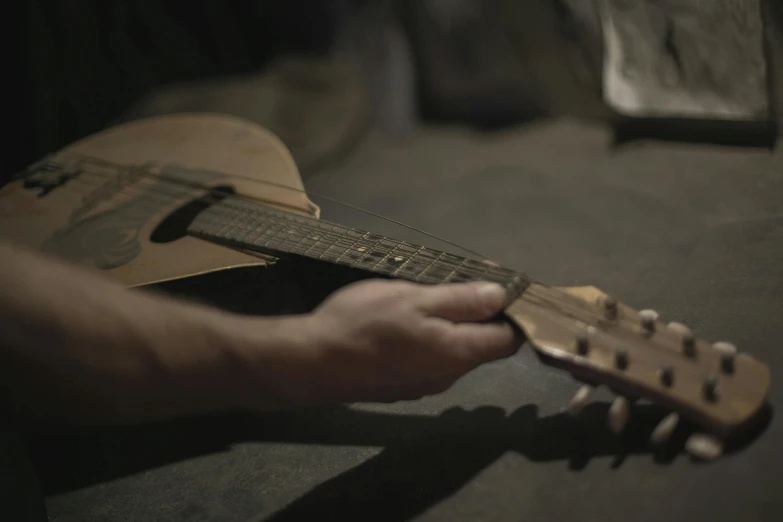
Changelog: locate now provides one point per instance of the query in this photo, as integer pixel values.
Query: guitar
(177, 196)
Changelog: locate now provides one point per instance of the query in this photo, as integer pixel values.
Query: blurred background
(324, 75)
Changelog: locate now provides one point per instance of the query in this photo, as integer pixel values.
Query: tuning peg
(704, 447)
(666, 375)
(610, 307)
(648, 318)
(619, 412)
(580, 399)
(651, 314)
(725, 347)
(688, 341)
(727, 353)
(582, 342)
(710, 388)
(680, 328)
(621, 359)
(664, 429)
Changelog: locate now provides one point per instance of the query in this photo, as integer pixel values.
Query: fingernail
(492, 294)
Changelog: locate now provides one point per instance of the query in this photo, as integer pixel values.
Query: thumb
(462, 302)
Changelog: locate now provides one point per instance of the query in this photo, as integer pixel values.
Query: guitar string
(339, 238)
(280, 231)
(424, 263)
(167, 196)
(178, 194)
(317, 227)
(113, 165)
(544, 297)
(145, 171)
(427, 257)
(336, 238)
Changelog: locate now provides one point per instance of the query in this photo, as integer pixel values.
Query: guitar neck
(246, 224)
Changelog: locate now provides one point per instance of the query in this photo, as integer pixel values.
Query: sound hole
(175, 225)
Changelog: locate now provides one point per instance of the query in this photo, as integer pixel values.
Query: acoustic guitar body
(105, 219)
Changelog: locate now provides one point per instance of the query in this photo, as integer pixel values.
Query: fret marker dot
(398, 259)
(361, 249)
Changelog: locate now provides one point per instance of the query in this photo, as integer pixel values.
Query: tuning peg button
(619, 413)
(663, 431)
(725, 347)
(621, 359)
(710, 388)
(704, 447)
(610, 307)
(688, 341)
(666, 375)
(580, 399)
(651, 314)
(648, 318)
(727, 354)
(679, 328)
(582, 342)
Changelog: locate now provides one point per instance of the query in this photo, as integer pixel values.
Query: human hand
(382, 341)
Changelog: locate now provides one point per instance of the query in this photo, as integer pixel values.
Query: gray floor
(695, 232)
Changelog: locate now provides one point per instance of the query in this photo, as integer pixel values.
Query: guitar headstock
(603, 342)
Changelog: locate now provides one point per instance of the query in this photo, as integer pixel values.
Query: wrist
(277, 361)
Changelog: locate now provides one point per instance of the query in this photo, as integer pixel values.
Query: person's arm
(78, 347)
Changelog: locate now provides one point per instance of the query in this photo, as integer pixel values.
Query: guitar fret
(275, 240)
(297, 243)
(453, 272)
(380, 248)
(407, 259)
(363, 248)
(413, 263)
(424, 273)
(315, 239)
(325, 254)
(250, 225)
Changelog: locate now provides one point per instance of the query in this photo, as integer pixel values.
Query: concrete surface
(694, 232)
(655, 59)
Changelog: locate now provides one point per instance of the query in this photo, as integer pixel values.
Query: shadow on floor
(425, 458)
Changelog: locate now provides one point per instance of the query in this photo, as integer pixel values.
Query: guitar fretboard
(252, 226)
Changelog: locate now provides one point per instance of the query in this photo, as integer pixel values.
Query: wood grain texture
(237, 152)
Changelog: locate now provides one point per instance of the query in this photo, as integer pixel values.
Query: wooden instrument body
(114, 237)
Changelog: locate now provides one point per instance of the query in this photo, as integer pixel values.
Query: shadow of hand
(425, 458)
(419, 468)
(410, 474)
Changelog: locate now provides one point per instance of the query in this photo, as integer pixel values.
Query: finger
(483, 343)
(460, 302)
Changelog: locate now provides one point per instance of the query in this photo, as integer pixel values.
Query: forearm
(78, 347)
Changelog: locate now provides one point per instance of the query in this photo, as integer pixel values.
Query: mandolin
(177, 196)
